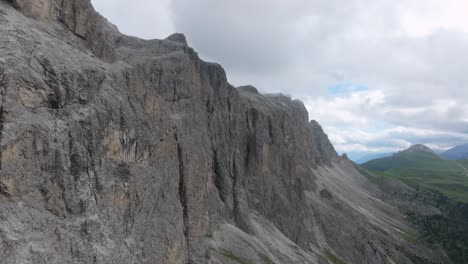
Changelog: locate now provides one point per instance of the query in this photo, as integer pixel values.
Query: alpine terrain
(437, 203)
(120, 150)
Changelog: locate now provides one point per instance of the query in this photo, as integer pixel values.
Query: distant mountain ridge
(372, 156)
(422, 167)
(419, 147)
(457, 152)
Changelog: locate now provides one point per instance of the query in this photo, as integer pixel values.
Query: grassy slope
(424, 169)
(448, 230)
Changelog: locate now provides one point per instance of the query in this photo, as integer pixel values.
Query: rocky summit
(120, 150)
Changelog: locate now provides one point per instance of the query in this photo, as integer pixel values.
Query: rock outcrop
(121, 150)
(80, 18)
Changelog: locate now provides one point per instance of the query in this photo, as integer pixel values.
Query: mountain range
(115, 149)
(420, 166)
(457, 152)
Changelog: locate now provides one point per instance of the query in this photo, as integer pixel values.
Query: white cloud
(365, 121)
(422, 20)
(143, 18)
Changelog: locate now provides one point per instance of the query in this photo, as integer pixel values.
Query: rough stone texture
(248, 88)
(121, 150)
(178, 37)
(37, 9)
(78, 16)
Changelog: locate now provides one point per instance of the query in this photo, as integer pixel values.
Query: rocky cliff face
(121, 150)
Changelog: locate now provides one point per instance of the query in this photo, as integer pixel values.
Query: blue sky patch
(345, 88)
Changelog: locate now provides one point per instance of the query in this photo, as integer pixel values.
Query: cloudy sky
(378, 75)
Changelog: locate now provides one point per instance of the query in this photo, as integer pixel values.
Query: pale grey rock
(78, 16)
(178, 37)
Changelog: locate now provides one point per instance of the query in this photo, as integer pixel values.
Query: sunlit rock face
(121, 150)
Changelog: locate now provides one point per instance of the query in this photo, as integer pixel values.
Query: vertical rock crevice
(182, 195)
(218, 179)
(235, 177)
(241, 218)
(1, 135)
(2, 111)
